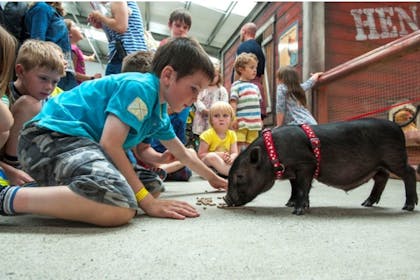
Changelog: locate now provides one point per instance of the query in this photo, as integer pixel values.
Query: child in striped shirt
(245, 101)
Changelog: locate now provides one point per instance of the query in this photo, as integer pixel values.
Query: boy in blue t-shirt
(76, 145)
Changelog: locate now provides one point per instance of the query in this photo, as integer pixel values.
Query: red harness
(272, 153)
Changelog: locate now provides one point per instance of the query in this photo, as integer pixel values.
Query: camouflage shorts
(53, 159)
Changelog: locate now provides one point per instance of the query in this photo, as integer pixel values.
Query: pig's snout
(228, 200)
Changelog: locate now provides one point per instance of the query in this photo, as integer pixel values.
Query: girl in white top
(207, 97)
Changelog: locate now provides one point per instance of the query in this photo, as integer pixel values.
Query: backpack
(14, 19)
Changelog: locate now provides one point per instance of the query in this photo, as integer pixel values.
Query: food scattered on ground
(208, 201)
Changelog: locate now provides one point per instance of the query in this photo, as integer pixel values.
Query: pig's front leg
(302, 186)
(293, 195)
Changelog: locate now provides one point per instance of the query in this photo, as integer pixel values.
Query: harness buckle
(277, 164)
(315, 143)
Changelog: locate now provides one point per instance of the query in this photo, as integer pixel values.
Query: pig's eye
(241, 179)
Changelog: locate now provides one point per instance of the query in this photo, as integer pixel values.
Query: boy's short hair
(182, 15)
(185, 56)
(36, 53)
(242, 60)
(222, 107)
(140, 61)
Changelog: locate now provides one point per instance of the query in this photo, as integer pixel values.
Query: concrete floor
(337, 239)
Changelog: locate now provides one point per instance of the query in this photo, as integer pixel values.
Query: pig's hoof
(408, 207)
(298, 211)
(367, 203)
(291, 203)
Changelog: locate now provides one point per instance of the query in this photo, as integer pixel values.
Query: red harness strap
(316, 146)
(272, 153)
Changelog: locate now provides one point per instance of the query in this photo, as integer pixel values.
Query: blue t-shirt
(179, 124)
(132, 97)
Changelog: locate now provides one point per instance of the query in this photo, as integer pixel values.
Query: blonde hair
(69, 23)
(42, 54)
(243, 60)
(220, 107)
(8, 45)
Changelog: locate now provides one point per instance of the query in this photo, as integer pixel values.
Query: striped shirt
(248, 111)
(133, 39)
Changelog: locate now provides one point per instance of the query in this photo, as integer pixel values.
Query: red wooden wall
(351, 29)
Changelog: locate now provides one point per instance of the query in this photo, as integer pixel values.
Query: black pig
(351, 153)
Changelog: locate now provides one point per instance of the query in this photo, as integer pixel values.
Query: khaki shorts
(245, 135)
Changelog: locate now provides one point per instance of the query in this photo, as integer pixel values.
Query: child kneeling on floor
(75, 147)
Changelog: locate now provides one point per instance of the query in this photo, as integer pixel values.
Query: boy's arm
(234, 150)
(119, 20)
(194, 163)
(279, 119)
(113, 137)
(150, 156)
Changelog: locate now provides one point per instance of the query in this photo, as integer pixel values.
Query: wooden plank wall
(352, 29)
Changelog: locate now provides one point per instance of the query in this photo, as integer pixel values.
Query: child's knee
(26, 105)
(115, 216)
(211, 158)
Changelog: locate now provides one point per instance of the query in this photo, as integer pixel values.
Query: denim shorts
(55, 159)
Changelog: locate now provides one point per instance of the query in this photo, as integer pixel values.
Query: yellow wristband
(141, 194)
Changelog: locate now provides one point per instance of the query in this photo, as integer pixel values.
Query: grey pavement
(336, 239)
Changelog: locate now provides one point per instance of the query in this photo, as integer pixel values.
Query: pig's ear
(255, 155)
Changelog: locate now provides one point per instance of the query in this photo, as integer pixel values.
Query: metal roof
(213, 22)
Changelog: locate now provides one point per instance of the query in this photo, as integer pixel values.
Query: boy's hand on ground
(170, 209)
